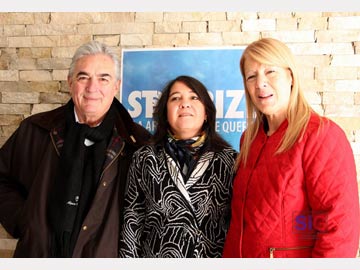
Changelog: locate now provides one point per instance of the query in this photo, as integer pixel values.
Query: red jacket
(300, 203)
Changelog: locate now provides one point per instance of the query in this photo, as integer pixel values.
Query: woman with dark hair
(178, 200)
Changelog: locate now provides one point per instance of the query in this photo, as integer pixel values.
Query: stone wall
(36, 49)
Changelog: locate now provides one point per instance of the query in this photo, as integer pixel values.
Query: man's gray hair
(91, 48)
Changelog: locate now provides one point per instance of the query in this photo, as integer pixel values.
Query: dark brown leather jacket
(28, 164)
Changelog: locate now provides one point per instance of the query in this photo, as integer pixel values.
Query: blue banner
(145, 72)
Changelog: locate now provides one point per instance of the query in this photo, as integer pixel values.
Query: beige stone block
(149, 16)
(24, 53)
(341, 99)
(42, 17)
(7, 131)
(74, 40)
(335, 110)
(53, 63)
(110, 40)
(224, 26)
(321, 48)
(9, 119)
(308, 15)
(271, 15)
(167, 27)
(14, 109)
(306, 73)
(64, 87)
(63, 52)
(20, 97)
(314, 98)
(210, 39)
(241, 15)
(291, 36)
(312, 23)
(194, 27)
(38, 108)
(4, 64)
(286, 24)
(343, 23)
(34, 52)
(23, 64)
(170, 39)
(116, 28)
(5, 253)
(313, 60)
(318, 85)
(334, 73)
(8, 244)
(347, 85)
(9, 86)
(346, 60)
(337, 35)
(14, 30)
(240, 38)
(136, 39)
(91, 17)
(56, 98)
(41, 52)
(357, 98)
(3, 233)
(2, 141)
(114, 17)
(252, 25)
(45, 41)
(9, 75)
(3, 41)
(16, 18)
(60, 75)
(41, 86)
(51, 29)
(19, 41)
(72, 18)
(357, 47)
(35, 75)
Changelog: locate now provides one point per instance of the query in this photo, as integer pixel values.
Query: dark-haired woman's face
(185, 112)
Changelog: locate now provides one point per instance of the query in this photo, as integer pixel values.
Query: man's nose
(92, 85)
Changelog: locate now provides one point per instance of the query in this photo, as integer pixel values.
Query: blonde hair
(273, 52)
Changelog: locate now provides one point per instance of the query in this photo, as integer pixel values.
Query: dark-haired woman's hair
(214, 141)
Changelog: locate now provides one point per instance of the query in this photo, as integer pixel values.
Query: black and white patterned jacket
(164, 217)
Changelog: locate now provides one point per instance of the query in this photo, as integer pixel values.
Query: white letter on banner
(133, 102)
(235, 103)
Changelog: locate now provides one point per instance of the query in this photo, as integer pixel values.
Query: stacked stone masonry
(36, 50)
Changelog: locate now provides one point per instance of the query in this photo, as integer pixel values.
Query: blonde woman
(295, 192)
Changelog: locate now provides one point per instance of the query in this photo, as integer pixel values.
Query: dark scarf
(77, 179)
(186, 152)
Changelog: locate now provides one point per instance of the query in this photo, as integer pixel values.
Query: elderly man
(63, 173)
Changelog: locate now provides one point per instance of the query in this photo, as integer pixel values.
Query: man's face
(93, 86)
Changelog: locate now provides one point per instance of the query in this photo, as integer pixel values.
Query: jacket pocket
(291, 252)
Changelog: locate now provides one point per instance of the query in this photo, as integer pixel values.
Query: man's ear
(117, 85)
(69, 81)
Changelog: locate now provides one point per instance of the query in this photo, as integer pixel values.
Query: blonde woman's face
(185, 112)
(269, 88)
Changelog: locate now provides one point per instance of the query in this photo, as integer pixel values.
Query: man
(63, 173)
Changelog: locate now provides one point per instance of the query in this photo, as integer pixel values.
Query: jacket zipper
(272, 249)
(122, 148)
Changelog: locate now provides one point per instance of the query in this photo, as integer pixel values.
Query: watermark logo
(308, 224)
